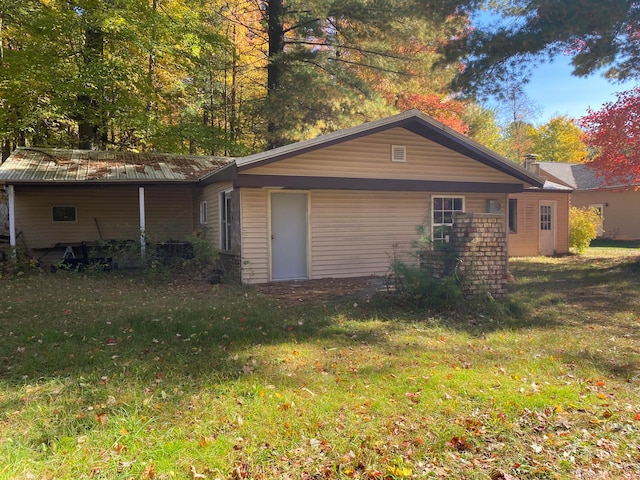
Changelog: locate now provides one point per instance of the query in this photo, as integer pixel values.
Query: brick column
(480, 243)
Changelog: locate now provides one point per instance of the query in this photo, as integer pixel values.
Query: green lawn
(109, 376)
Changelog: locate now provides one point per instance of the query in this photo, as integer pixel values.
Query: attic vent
(398, 153)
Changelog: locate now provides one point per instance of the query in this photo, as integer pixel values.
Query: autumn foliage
(614, 135)
(446, 110)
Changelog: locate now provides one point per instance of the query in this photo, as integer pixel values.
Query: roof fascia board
(228, 173)
(370, 184)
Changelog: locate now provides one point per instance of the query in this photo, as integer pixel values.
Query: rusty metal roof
(36, 165)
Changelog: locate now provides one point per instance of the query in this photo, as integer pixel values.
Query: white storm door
(288, 236)
(599, 208)
(547, 225)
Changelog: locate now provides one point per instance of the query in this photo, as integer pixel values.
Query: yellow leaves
(401, 472)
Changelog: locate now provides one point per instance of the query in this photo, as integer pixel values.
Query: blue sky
(554, 89)
(557, 92)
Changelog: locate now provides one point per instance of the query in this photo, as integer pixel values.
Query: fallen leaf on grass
(195, 474)
(241, 472)
(460, 444)
(150, 472)
(413, 396)
(499, 475)
(399, 472)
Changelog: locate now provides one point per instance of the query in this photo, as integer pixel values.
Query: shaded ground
(323, 290)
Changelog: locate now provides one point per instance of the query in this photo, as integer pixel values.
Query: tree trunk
(275, 32)
(6, 149)
(92, 131)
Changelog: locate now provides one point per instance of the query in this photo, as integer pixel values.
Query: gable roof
(48, 165)
(413, 120)
(579, 176)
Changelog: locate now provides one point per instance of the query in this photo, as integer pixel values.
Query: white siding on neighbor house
(114, 210)
(370, 157)
(352, 233)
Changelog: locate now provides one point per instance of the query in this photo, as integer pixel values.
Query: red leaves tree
(449, 111)
(613, 133)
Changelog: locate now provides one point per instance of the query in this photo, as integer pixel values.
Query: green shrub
(583, 227)
(419, 287)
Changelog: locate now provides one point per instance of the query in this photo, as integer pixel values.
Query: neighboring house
(538, 221)
(618, 204)
(340, 205)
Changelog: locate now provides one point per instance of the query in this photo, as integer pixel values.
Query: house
(538, 221)
(618, 204)
(340, 205)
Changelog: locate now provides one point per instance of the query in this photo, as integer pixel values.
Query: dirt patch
(323, 290)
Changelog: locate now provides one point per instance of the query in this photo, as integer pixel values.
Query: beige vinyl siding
(211, 195)
(621, 211)
(254, 235)
(525, 242)
(359, 233)
(370, 157)
(114, 208)
(352, 233)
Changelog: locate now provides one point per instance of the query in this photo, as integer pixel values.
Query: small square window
(63, 213)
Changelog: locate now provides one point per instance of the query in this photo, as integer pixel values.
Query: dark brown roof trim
(228, 173)
(383, 184)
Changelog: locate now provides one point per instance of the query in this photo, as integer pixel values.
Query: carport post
(142, 220)
(12, 219)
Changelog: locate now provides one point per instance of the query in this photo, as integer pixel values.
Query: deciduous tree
(559, 140)
(613, 133)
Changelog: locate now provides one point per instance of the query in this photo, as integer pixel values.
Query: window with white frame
(203, 213)
(63, 213)
(443, 209)
(225, 220)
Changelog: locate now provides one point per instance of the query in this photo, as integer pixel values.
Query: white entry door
(600, 211)
(547, 226)
(288, 236)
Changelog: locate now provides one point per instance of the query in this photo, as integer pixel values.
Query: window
(63, 213)
(513, 215)
(443, 209)
(225, 220)
(203, 213)
(545, 217)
